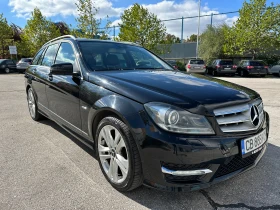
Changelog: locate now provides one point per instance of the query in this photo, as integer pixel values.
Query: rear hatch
(196, 65)
(24, 62)
(257, 65)
(226, 65)
(11, 64)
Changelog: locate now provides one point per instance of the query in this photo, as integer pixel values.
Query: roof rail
(132, 43)
(60, 37)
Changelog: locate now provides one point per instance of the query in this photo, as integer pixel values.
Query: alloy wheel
(113, 154)
(7, 70)
(31, 103)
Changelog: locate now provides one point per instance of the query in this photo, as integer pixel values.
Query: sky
(18, 11)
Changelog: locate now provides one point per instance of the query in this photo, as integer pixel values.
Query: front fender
(127, 110)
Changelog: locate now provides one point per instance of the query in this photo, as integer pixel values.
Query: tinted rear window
(196, 62)
(172, 62)
(226, 62)
(256, 63)
(27, 60)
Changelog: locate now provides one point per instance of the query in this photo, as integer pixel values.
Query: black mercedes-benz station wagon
(147, 122)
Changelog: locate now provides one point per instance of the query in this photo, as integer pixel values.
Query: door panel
(63, 91)
(63, 96)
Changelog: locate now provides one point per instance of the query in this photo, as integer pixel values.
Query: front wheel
(118, 155)
(7, 70)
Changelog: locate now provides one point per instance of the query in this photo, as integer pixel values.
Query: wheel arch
(118, 106)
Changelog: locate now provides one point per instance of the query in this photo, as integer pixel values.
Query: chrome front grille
(240, 118)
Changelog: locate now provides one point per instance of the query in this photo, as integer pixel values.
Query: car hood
(175, 87)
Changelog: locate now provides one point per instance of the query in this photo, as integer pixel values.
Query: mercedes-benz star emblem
(255, 118)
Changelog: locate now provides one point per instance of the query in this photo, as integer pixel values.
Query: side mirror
(62, 69)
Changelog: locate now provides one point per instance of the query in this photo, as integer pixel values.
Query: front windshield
(100, 56)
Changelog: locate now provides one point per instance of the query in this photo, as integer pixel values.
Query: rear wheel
(215, 73)
(32, 106)
(242, 73)
(118, 154)
(7, 70)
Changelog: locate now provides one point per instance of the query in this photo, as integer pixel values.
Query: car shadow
(258, 187)
(68, 135)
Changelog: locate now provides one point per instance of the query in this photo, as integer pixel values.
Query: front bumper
(164, 154)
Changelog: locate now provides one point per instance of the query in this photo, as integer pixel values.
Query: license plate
(253, 144)
(197, 67)
(227, 68)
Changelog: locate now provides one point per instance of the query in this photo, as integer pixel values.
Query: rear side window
(49, 55)
(226, 62)
(37, 57)
(256, 63)
(196, 62)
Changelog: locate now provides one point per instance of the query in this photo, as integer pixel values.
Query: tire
(214, 73)
(7, 70)
(32, 106)
(124, 154)
(242, 73)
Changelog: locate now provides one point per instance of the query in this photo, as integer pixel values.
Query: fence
(182, 22)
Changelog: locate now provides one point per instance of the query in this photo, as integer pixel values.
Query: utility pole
(211, 19)
(182, 30)
(198, 27)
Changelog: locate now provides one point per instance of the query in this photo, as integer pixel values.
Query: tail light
(175, 67)
(29, 63)
(250, 67)
(218, 66)
(234, 66)
(204, 66)
(189, 66)
(266, 67)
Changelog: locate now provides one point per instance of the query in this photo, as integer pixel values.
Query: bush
(180, 66)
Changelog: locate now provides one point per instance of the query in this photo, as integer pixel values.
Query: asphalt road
(43, 167)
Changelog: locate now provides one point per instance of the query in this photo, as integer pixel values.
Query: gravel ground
(43, 167)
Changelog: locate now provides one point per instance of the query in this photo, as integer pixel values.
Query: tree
(256, 31)
(170, 39)
(193, 38)
(6, 35)
(36, 33)
(141, 26)
(212, 41)
(88, 25)
(63, 28)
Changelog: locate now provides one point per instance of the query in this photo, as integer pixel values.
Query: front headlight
(177, 120)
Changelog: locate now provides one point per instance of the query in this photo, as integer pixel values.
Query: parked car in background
(196, 66)
(222, 67)
(275, 69)
(23, 64)
(147, 122)
(7, 65)
(173, 63)
(252, 67)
